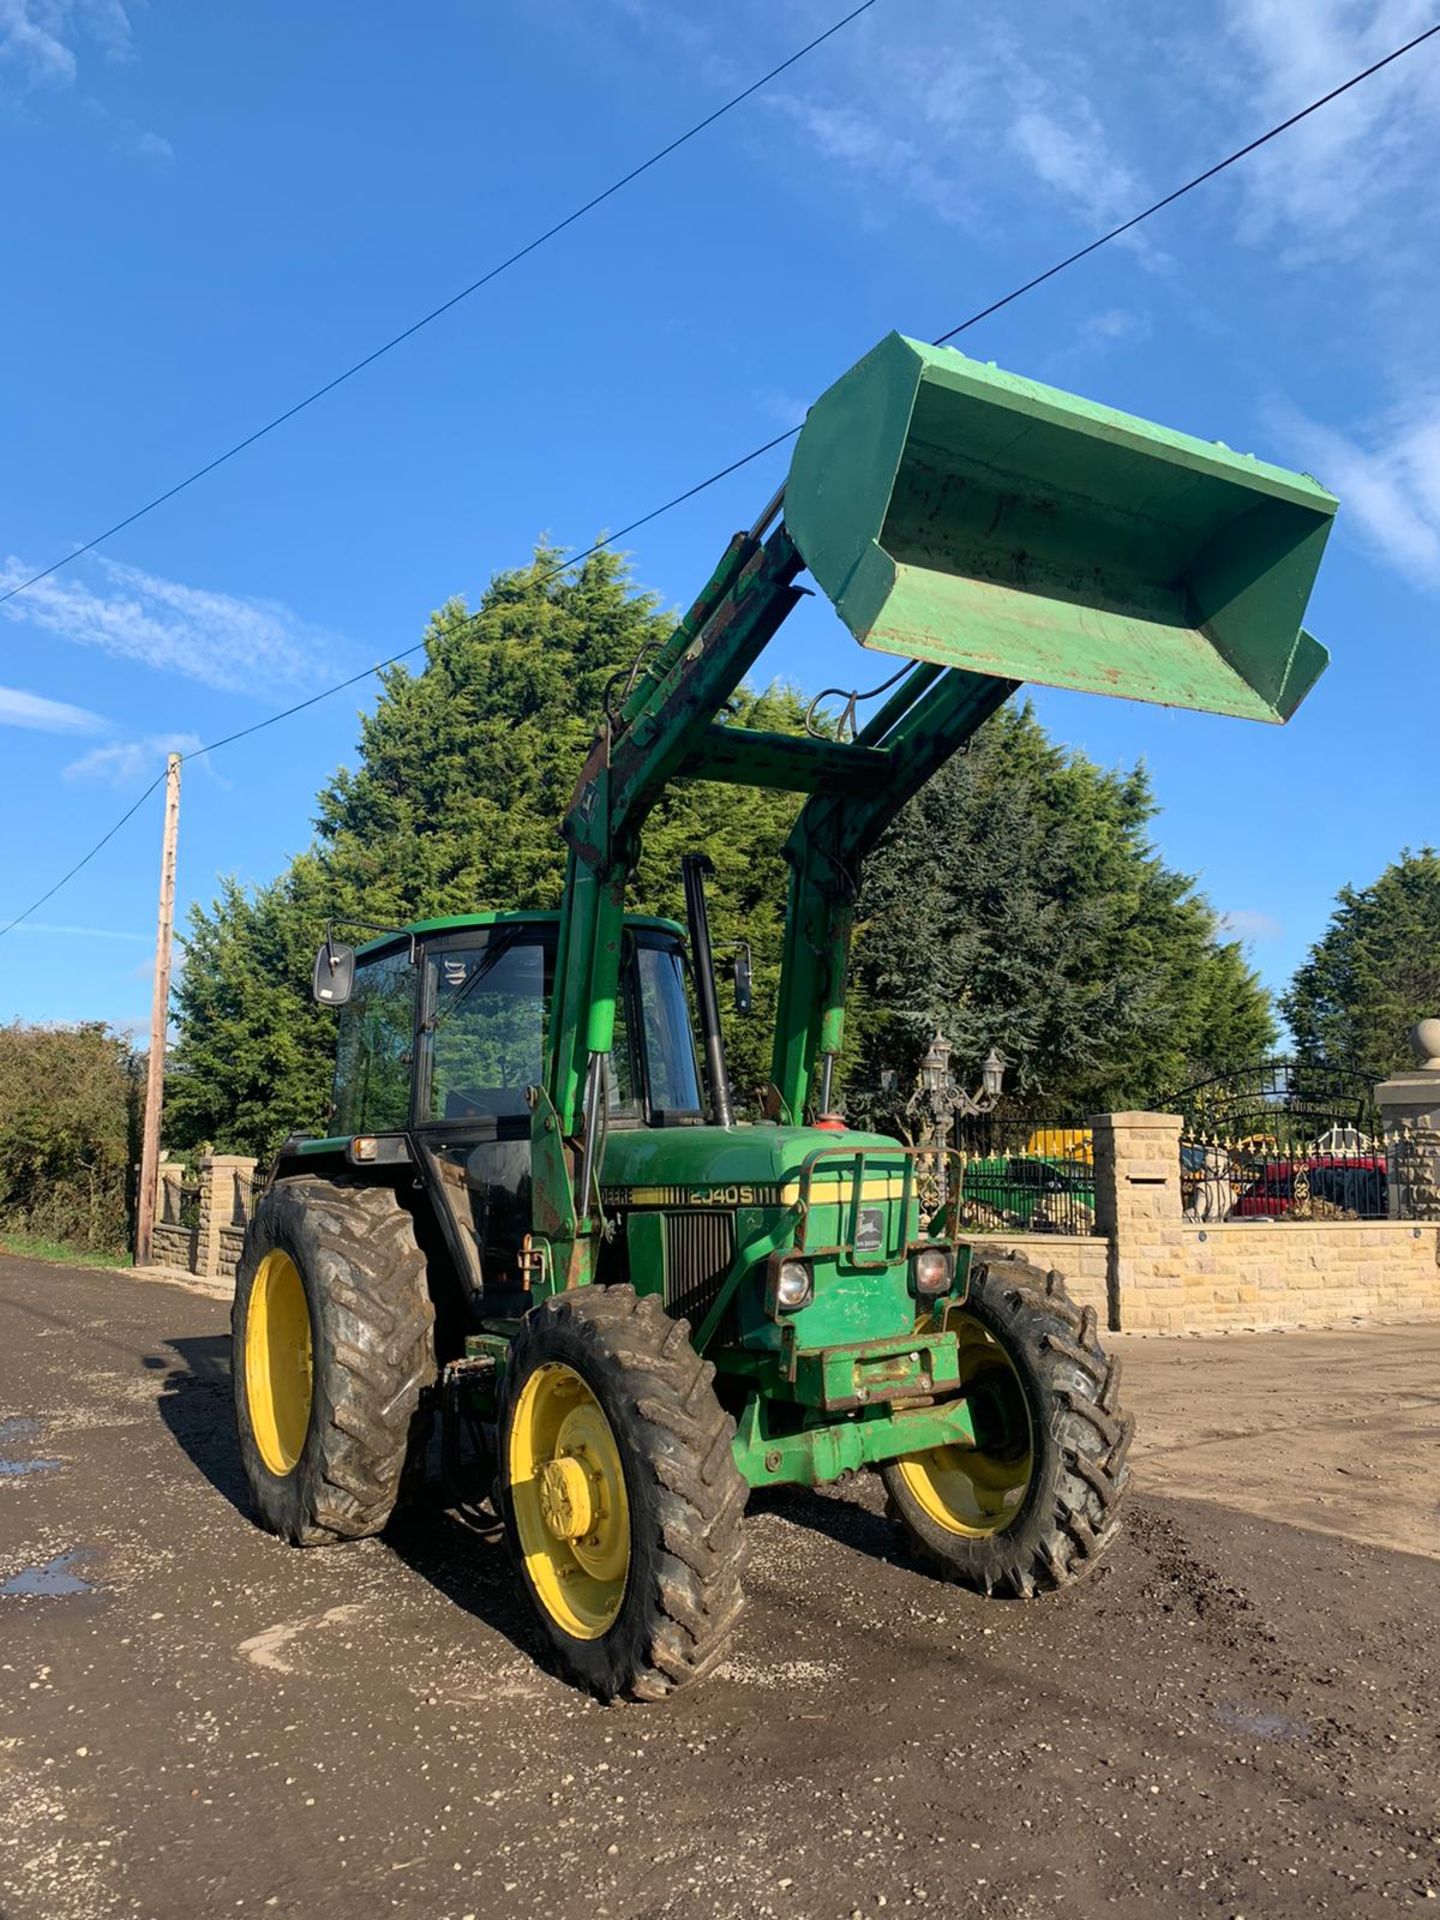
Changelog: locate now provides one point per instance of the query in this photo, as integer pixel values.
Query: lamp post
(940, 1100)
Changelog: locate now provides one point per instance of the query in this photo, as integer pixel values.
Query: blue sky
(211, 210)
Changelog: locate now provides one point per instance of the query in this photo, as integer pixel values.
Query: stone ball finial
(1425, 1039)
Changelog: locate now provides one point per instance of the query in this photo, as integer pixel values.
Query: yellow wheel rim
(279, 1370)
(979, 1491)
(567, 1486)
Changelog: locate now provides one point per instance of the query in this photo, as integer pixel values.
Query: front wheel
(620, 1494)
(1035, 1503)
(332, 1348)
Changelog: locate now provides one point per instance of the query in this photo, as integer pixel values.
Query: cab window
(671, 1075)
(486, 1028)
(375, 1047)
(651, 1071)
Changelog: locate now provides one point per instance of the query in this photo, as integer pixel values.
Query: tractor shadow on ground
(459, 1551)
(195, 1404)
(838, 1516)
(462, 1554)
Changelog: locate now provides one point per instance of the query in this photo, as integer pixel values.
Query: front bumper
(824, 1451)
(869, 1373)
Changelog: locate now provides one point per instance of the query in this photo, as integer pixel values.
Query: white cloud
(1103, 108)
(221, 639)
(1323, 186)
(43, 45)
(862, 143)
(39, 39)
(29, 43)
(81, 933)
(125, 762)
(19, 709)
(1073, 157)
(1111, 324)
(931, 116)
(1248, 923)
(1389, 487)
(785, 409)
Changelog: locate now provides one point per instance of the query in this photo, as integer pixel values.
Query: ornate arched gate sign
(1283, 1139)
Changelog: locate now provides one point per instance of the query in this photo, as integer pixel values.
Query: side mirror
(744, 984)
(334, 979)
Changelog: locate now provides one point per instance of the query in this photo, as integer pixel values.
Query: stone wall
(211, 1250)
(1085, 1263)
(225, 1180)
(1304, 1273)
(232, 1239)
(174, 1246)
(1166, 1275)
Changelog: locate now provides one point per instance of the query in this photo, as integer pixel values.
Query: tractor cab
(439, 1060)
(440, 1044)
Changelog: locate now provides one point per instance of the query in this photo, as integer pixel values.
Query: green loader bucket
(957, 514)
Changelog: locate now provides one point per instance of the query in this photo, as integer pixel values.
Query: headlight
(930, 1272)
(793, 1286)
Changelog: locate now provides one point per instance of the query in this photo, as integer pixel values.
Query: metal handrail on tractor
(859, 1159)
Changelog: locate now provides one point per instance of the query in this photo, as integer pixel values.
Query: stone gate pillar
(1409, 1106)
(1137, 1204)
(220, 1206)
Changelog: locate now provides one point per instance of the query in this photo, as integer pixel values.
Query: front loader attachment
(964, 516)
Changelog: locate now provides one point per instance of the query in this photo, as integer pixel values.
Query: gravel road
(1237, 1717)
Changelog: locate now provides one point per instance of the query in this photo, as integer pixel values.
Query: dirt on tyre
(620, 1495)
(332, 1336)
(1036, 1503)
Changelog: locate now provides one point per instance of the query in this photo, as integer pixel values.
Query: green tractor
(536, 1215)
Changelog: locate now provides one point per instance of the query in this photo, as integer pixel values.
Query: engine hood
(709, 1157)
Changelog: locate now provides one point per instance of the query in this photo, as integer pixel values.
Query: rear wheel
(333, 1342)
(620, 1494)
(1035, 1503)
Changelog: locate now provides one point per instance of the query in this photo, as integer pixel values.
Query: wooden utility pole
(159, 1021)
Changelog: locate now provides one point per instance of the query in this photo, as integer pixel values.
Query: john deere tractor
(536, 1214)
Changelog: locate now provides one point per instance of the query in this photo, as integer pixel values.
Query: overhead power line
(701, 486)
(85, 858)
(1240, 153)
(426, 319)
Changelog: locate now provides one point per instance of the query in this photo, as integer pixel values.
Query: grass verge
(29, 1248)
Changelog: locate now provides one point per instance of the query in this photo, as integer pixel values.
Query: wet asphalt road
(1236, 1717)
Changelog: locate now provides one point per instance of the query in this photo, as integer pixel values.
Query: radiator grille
(699, 1250)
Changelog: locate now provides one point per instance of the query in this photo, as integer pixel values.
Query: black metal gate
(1285, 1140)
(1290, 1101)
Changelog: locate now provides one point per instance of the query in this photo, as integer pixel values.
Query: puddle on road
(49, 1581)
(1263, 1725)
(18, 1427)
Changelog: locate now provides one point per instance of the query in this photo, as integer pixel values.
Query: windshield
(487, 1006)
(373, 1053)
(653, 1058)
(487, 1028)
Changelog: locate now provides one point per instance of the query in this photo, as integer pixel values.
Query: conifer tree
(1016, 901)
(464, 772)
(1374, 971)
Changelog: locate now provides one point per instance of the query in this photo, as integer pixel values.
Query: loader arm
(993, 531)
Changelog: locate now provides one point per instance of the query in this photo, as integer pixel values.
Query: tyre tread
(1091, 1432)
(381, 1359)
(682, 1436)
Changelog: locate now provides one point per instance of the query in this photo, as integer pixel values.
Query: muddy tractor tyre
(333, 1345)
(1035, 1504)
(620, 1495)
